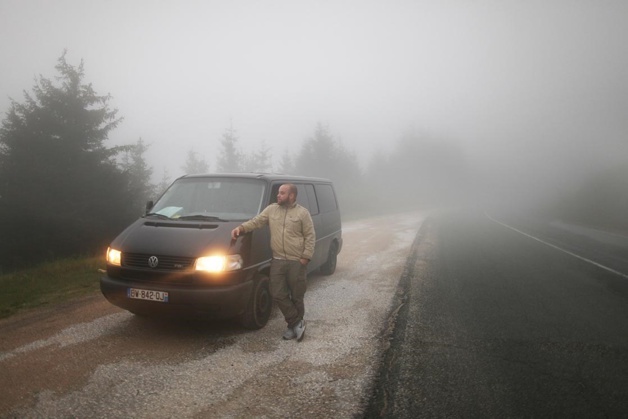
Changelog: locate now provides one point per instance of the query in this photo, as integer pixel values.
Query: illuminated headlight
(114, 256)
(219, 263)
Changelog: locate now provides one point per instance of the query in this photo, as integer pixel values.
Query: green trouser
(287, 287)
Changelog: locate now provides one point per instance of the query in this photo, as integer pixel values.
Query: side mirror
(149, 206)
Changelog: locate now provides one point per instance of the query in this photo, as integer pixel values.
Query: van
(179, 259)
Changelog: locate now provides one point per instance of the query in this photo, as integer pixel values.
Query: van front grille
(167, 263)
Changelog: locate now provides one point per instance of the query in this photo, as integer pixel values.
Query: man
(292, 240)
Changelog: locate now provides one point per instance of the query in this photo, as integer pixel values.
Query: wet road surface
(495, 323)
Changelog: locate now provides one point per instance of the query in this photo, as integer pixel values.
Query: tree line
(64, 192)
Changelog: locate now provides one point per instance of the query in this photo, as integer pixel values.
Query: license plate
(149, 295)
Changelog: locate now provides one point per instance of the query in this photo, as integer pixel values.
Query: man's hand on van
(236, 232)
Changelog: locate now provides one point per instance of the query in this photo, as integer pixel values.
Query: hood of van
(176, 238)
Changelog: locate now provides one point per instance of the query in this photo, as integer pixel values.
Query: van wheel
(329, 267)
(257, 311)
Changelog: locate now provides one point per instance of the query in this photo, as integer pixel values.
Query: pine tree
(286, 165)
(62, 191)
(194, 164)
(323, 156)
(138, 174)
(260, 160)
(230, 158)
(163, 184)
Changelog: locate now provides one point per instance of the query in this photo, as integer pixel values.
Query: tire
(329, 267)
(259, 307)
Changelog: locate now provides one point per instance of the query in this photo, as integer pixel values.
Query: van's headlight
(114, 256)
(219, 263)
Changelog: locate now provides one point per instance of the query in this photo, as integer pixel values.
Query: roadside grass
(49, 283)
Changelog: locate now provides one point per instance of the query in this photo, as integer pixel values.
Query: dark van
(179, 258)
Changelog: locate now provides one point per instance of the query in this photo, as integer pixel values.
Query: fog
(534, 93)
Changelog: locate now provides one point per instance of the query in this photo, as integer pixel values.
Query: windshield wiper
(156, 214)
(201, 217)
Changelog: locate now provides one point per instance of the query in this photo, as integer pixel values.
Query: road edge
(384, 388)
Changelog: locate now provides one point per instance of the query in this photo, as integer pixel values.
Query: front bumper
(215, 302)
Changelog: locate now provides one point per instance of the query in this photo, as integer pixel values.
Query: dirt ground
(88, 358)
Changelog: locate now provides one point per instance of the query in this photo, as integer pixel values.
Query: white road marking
(558, 248)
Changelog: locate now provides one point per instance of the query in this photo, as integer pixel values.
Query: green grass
(49, 283)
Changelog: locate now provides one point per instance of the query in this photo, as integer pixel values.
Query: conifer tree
(230, 158)
(61, 189)
(195, 164)
(260, 160)
(138, 174)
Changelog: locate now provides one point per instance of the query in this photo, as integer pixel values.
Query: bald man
(292, 240)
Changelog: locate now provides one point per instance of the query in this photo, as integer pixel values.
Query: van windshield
(212, 199)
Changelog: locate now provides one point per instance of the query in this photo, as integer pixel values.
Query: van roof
(262, 176)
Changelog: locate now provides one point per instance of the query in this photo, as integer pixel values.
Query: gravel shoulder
(89, 359)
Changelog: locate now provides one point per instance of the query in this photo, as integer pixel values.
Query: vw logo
(153, 261)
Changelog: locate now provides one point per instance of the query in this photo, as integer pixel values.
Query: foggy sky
(523, 85)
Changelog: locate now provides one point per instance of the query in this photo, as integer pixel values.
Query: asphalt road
(505, 317)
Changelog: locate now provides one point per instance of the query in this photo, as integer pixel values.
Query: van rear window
(326, 198)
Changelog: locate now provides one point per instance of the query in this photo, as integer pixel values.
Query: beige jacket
(292, 233)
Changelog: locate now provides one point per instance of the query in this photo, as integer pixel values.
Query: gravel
(117, 365)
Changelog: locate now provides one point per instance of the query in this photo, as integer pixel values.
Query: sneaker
(299, 330)
(289, 334)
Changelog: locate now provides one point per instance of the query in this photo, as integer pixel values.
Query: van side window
(302, 198)
(326, 198)
(273, 193)
(312, 198)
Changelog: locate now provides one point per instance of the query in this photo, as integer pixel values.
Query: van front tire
(259, 307)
